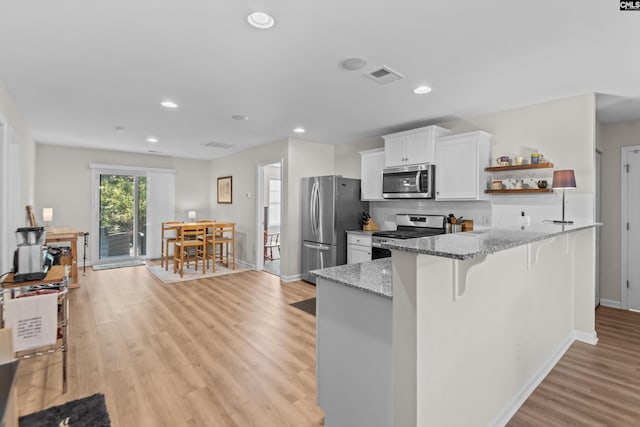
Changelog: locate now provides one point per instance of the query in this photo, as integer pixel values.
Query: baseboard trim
(291, 278)
(586, 337)
(610, 303)
(516, 402)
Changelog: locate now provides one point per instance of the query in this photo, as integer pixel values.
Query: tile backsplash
(504, 210)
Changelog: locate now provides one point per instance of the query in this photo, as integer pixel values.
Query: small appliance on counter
(30, 258)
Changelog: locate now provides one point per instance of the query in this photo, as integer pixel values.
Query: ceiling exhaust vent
(384, 75)
(214, 144)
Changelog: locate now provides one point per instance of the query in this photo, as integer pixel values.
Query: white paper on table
(34, 321)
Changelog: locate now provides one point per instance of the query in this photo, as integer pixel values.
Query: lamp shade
(563, 179)
(191, 214)
(47, 214)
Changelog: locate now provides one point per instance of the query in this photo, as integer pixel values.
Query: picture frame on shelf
(225, 190)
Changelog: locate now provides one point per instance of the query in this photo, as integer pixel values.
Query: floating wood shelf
(518, 167)
(521, 191)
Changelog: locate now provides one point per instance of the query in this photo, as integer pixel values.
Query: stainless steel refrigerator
(330, 206)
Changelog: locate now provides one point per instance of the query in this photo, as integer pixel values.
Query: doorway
(630, 197)
(269, 217)
(122, 217)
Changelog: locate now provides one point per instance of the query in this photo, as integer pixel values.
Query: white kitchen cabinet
(358, 247)
(460, 163)
(412, 147)
(371, 165)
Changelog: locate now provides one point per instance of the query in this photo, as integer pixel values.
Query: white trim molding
(610, 303)
(129, 168)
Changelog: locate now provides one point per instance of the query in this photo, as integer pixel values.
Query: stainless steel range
(409, 226)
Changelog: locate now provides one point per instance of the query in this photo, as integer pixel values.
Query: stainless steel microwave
(409, 182)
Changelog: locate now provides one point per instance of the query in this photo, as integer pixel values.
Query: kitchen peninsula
(455, 329)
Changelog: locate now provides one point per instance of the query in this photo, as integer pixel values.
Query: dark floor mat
(308, 306)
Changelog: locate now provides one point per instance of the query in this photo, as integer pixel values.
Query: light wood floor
(225, 351)
(592, 385)
(230, 351)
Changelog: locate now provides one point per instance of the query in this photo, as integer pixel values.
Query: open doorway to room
(270, 212)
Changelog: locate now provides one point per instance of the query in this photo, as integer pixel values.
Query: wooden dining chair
(169, 234)
(271, 241)
(209, 246)
(224, 243)
(190, 240)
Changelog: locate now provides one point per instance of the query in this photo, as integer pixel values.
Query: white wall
(565, 132)
(347, 159)
(614, 137)
(17, 132)
(63, 182)
(300, 158)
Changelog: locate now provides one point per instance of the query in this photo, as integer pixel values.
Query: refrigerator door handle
(317, 246)
(311, 208)
(315, 214)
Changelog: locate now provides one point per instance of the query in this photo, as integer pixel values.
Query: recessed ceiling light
(152, 140)
(239, 117)
(299, 129)
(352, 64)
(261, 20)
(421, 90)
(169, 104)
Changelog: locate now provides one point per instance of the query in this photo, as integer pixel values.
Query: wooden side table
(67, 234)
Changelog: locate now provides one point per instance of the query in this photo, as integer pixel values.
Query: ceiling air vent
(214, 144)
(384, 75)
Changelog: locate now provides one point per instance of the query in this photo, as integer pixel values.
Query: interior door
(633, 200)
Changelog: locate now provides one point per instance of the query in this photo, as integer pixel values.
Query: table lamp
(563, 180)
(47, 215)
(191, 214)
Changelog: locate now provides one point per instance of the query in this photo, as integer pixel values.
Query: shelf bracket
(460, 271)
(533, 251)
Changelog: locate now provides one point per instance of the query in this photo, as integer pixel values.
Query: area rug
(89, 411)
(128, 263)
(190, 273)
(307, 305)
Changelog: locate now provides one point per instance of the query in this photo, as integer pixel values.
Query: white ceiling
(77, 69)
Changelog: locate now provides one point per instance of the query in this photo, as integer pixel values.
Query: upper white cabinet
(371, 165)
(412, 147)
(460, 163)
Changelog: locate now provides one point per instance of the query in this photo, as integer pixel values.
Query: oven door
(409, 182)
(377, 253)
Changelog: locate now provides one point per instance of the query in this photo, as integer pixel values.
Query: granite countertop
(366, 233)
(373, 277)
(482, 242)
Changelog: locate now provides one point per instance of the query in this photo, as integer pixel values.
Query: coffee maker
(29, 258)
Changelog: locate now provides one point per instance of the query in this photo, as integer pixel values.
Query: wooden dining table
(224, 232)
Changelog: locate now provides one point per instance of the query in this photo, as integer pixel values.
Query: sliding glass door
(122, 216)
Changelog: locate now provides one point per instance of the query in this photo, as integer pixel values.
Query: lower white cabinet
(358, 247)
(460, 163)
(371, 165)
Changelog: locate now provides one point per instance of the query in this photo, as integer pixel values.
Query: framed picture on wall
(224, 189)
